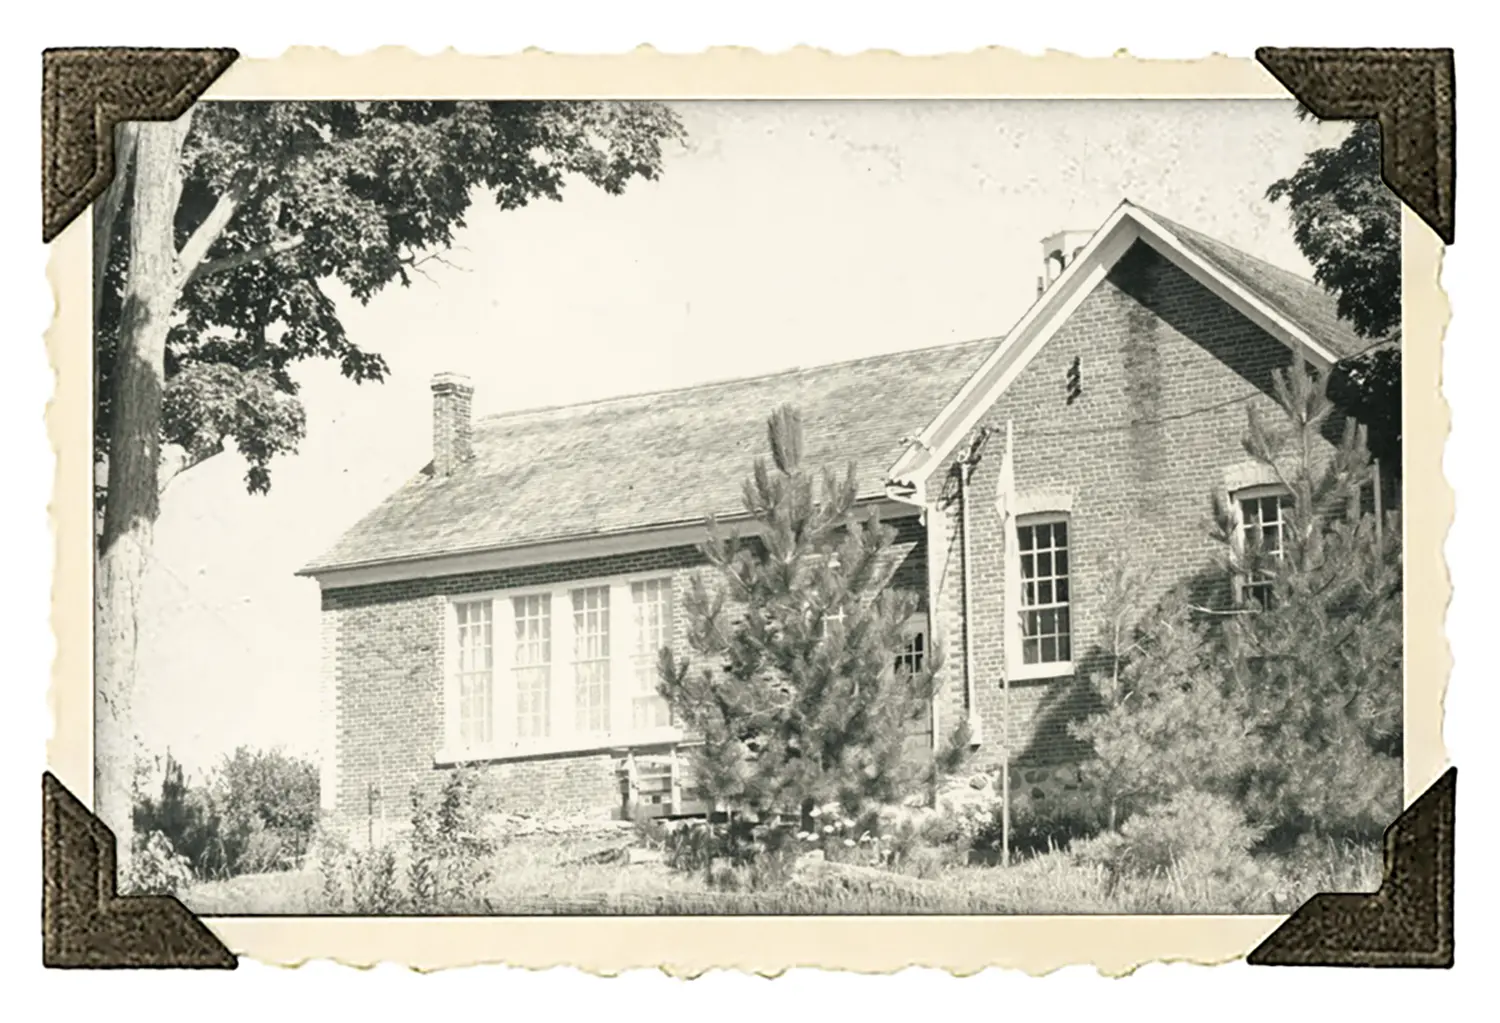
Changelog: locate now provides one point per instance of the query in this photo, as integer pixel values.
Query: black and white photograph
(805, 507)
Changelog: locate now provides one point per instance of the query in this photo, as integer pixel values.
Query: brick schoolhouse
(504, 607)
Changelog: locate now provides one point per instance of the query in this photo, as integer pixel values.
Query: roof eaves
(321, 567)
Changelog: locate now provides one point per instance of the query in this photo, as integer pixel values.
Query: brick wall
(1164, 368)
(386, 657)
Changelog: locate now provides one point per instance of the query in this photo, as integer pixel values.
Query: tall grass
(546, 876)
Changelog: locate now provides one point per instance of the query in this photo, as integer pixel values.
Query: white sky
(784, 234)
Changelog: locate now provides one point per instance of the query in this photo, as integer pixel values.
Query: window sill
(1032, 672)
(450, 756)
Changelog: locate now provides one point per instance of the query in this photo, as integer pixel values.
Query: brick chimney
(452, 422)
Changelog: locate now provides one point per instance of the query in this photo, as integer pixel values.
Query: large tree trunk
(152, 285)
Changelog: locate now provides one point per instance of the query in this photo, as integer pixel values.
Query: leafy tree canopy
(1347, 223)
(295, 195)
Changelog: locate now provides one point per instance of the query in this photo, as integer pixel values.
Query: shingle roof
(673, 457)
(1300, 300)
(654, 459)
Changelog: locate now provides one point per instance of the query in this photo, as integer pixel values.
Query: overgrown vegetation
(1285, 707)
(440, 863)
(255, 812)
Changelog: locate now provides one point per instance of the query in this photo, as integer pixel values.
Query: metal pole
(1005, 771)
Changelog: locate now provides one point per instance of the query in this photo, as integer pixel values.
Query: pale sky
(783, 234)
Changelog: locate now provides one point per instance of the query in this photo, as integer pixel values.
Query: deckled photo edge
(1116, 945)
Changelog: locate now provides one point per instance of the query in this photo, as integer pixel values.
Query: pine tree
(796, 691)
(1288, 702)
(1168, 722)
(1318, 660)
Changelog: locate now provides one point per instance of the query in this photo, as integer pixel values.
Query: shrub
(1039, 825)
(690, 846)
(449, 844)
(739, 854)
(268, 799)
(156, 868)
(1168, 721)
(442, 862)
(254, 813)
(1196, 832)
(1319, 665)
(183, 815)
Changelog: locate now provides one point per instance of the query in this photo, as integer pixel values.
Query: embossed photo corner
(623, 528)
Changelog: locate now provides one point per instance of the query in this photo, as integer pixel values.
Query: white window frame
(1019, 670)
(564, 736)
(1237, 499)
(650, 658)
(914, 629)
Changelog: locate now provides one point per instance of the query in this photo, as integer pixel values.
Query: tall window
(476, 680)
(531, 665)
(652, 601)
(1046, 631)
(571, 666)
(1262, 530)
(910, 658)
(591, 657)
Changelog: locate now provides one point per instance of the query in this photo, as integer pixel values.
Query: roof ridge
(726, 381)
(1201, 237)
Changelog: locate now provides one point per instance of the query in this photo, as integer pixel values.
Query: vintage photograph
(748, 507)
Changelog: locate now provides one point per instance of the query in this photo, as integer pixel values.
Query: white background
(1171, 30)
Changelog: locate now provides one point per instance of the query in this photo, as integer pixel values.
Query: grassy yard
(551, 876)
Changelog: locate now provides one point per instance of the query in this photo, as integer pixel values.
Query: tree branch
(176, 466)
(202, 239)
(254, 254)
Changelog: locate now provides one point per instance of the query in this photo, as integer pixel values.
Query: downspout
(965, 469)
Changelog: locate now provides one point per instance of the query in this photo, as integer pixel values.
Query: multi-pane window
(570, 666)
(652, 602)
(910, 658)
(531, 665)
(476, 677)
(591, 658)
(1046, 632)
(1263, 526)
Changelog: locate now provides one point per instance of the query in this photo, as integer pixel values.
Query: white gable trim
(935, 445)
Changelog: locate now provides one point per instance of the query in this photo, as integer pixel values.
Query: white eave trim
(1127, 224)
(551, 552)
